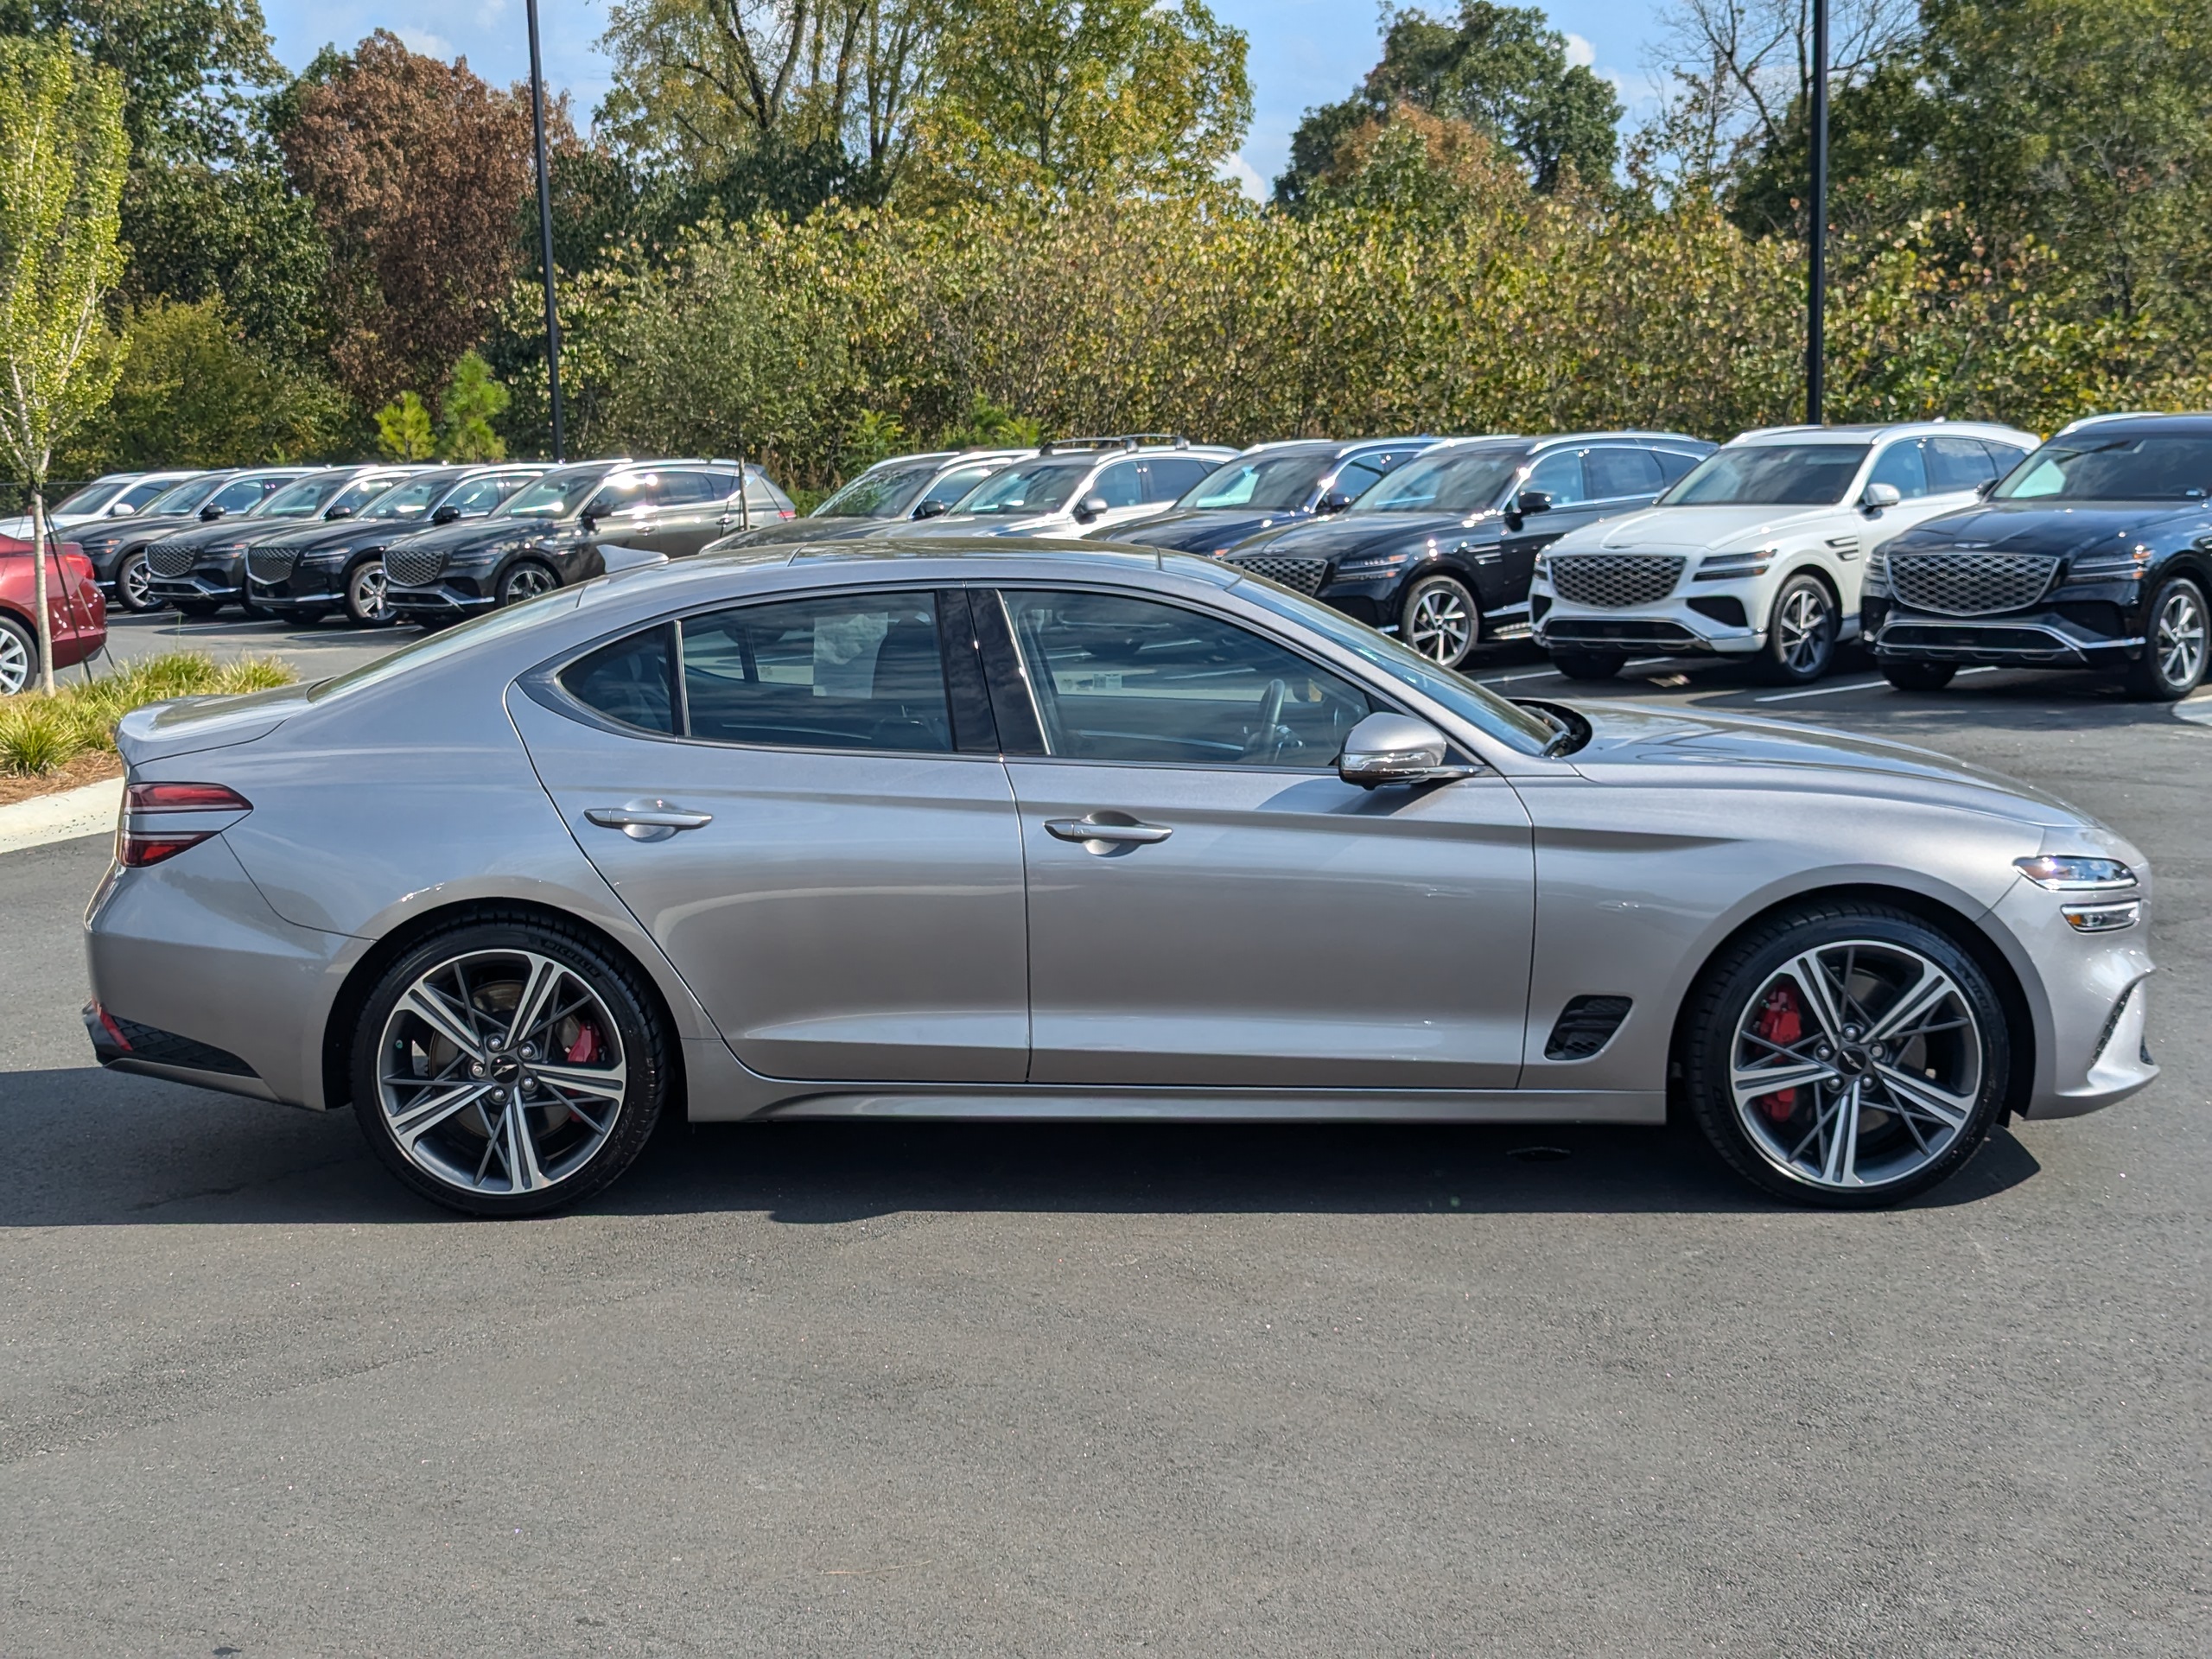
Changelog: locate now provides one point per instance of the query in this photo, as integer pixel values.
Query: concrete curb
(91, 810)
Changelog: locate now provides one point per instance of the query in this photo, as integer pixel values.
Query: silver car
(1009, 831)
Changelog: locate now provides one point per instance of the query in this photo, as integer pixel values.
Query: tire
(195, 606)
(1441, 619)
(526, 579)
(1586, 664)
(1863, 1123)
(1909, 676)
(494, 1146)
(1800, 634)
(18, 656)
(367, 606)
(131, 579)
(2177, 637)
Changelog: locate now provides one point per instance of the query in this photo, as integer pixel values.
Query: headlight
(1875, 582)
(2117, 564)
(1543, 570)
(2068, 873)
(1376, 564)
(1727, 567)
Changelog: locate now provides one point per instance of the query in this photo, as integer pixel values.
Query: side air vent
(1585, 1026)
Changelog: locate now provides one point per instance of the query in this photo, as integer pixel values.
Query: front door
(820, 838)
(1210, 905)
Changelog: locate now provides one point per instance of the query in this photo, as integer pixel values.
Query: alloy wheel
(526, 581)
(14, 662)
(1439, 624)
(1803, 626)
(2177, 639)
(134, 584)
(365, 593)
(1857, 1065)
(500, 1073)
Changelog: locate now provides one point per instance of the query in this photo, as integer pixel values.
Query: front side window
(878, 492)
(957, 482)
(1770, 475)
(480, 495)
(556, 495)
(1560, 476)
(244, 494)
(1138, 682)
(1903, 465)
(1027, 486)
(623, 495)
(1118, 486)
(187, 496)
(302, 499)
(93, 497)
(1618, 471)
(408, 500)
(849, 671)
(1457, 480)
(140, 493)
(356, 496)
(2154, 466)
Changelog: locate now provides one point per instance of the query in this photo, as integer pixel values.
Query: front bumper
(450, 596)
(209, 584)
(2092, 1047)
(2048, 637)
(316, 587)
(1678, 625)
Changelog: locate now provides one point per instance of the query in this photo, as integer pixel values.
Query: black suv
(897, 491)
(117, 547)
(1269, 486)
(2092, 553)
(1440, 551)
(200, 570)
(550, 533)
(306, 574)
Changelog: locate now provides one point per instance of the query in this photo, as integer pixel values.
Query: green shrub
(42, 734)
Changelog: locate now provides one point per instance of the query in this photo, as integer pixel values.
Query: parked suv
(200, 570)
(1439, 551)
(1759, 553)
(550, 533)
(306, 574)
(1269, 485)
(117, 548)
(900, 490)
(2092, 553)
(1072, 487)
(112, 495)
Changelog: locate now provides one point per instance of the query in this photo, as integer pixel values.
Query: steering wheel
(1266, 739)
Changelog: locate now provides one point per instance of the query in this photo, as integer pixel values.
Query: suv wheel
(507, 1066)
(366, 602)
(1586, 664)
(527, 580)
(1918, 676)
(131, 580)
(1800, 635)
(1845, 1054)
(2175, 643)
(18, 656)
(1441, 620)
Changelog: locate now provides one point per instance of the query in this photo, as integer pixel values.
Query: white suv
(1758, 552)
(1076, 487)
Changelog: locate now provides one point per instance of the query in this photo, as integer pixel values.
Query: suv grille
(412, 566)
(1306, 575)
(271, 563)
(1969, 584)
(1612, 580)
(169, 558)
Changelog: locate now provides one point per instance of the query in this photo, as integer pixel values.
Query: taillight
(137, 848)
(785, 513)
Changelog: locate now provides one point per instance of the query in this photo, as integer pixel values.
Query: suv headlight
(1729, 567)
(2072, 872)
(1543, 570)
(2115, 564)
(1874, 582)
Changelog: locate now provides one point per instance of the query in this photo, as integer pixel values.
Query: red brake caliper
(1780, 1022)
(585, 1049)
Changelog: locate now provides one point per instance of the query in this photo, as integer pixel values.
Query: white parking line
(1855, 685)
(1508, 679)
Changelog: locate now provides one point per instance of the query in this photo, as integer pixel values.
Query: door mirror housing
(932, 509)
(1879, 496)
(1987, 487)
(1090, 507)
(1397, 749)
(1334, 501)
(1530, 501)
(339, 512)
(588, 519)
(121, 509)
(210, 513)
(445, 513)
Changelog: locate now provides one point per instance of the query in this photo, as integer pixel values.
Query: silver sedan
(1024, 833)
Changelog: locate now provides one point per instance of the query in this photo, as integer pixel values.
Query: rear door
(802, 801)
(686, 511)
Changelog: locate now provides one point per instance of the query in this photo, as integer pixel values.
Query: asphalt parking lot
(815, 1388)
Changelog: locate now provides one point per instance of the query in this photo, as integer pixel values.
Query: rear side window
(852, 671)
(1615, 472)
(1170, 477)
(691, 489)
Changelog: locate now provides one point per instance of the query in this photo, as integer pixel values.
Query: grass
(40, 735)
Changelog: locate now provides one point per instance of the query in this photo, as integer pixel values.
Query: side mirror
(121, 509)
(588, 519)
(210, 513)
(1090, 507)
(339, 512)
(1879, 496)
(932, 509)
(1532, 501)
(445, 514)
(1396, 749)
(1334, 501)
(1983, 490)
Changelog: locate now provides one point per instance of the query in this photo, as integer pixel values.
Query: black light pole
(545, 229)
(1816, 233)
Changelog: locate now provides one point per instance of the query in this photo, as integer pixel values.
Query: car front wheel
(2174, 645)
(366, 602)
(132, 581)
(1845, 1054)
(509, 1066)
(1441, 620)
(18, 656)
(526, 581)
(1800, 635)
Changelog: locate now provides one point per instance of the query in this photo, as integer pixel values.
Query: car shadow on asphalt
(95, 1149)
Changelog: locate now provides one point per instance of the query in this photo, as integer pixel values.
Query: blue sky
(1304, 52)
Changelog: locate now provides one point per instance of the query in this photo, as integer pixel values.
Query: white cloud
(1579, 51)
(429, 45)
(1245, 177)
(489, 12)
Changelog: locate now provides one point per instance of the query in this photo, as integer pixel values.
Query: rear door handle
(653, 820)
(1104, 831)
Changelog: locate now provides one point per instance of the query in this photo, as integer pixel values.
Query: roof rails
(1119, 441)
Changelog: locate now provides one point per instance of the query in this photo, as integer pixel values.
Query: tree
(473, 400)
(415, 167)
(403, 428)
(62, 154)
(1502, 70)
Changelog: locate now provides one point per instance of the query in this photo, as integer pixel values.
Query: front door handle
(653, 820)
(1107, 832)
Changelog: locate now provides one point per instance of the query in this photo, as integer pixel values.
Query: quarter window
(1136, 682)
(628, 681)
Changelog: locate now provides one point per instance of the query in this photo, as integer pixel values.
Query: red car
(73, 598)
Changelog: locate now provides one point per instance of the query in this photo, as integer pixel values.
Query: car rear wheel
(2174, 645)
(1441, 620)
(1800, 635)
(132, 591)
(366, 601)
(18, 656)
(526, 581)
(507, 1067)
(1919, 677)
(1587, 664)
(1848, 1055)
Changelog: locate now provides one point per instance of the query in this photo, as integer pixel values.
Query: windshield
(882, 493)
(185, 497)
(93, 497)
(1458, 480)
(408, 500)
(1270, 483)
(555, 496)
(1771, 474)
(304, 499)
(1027, 486)
(2155, 466)
(1520, 728)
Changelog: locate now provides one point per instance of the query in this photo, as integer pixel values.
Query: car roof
(1871, 432)
(2177, 423)
(1336, 446)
